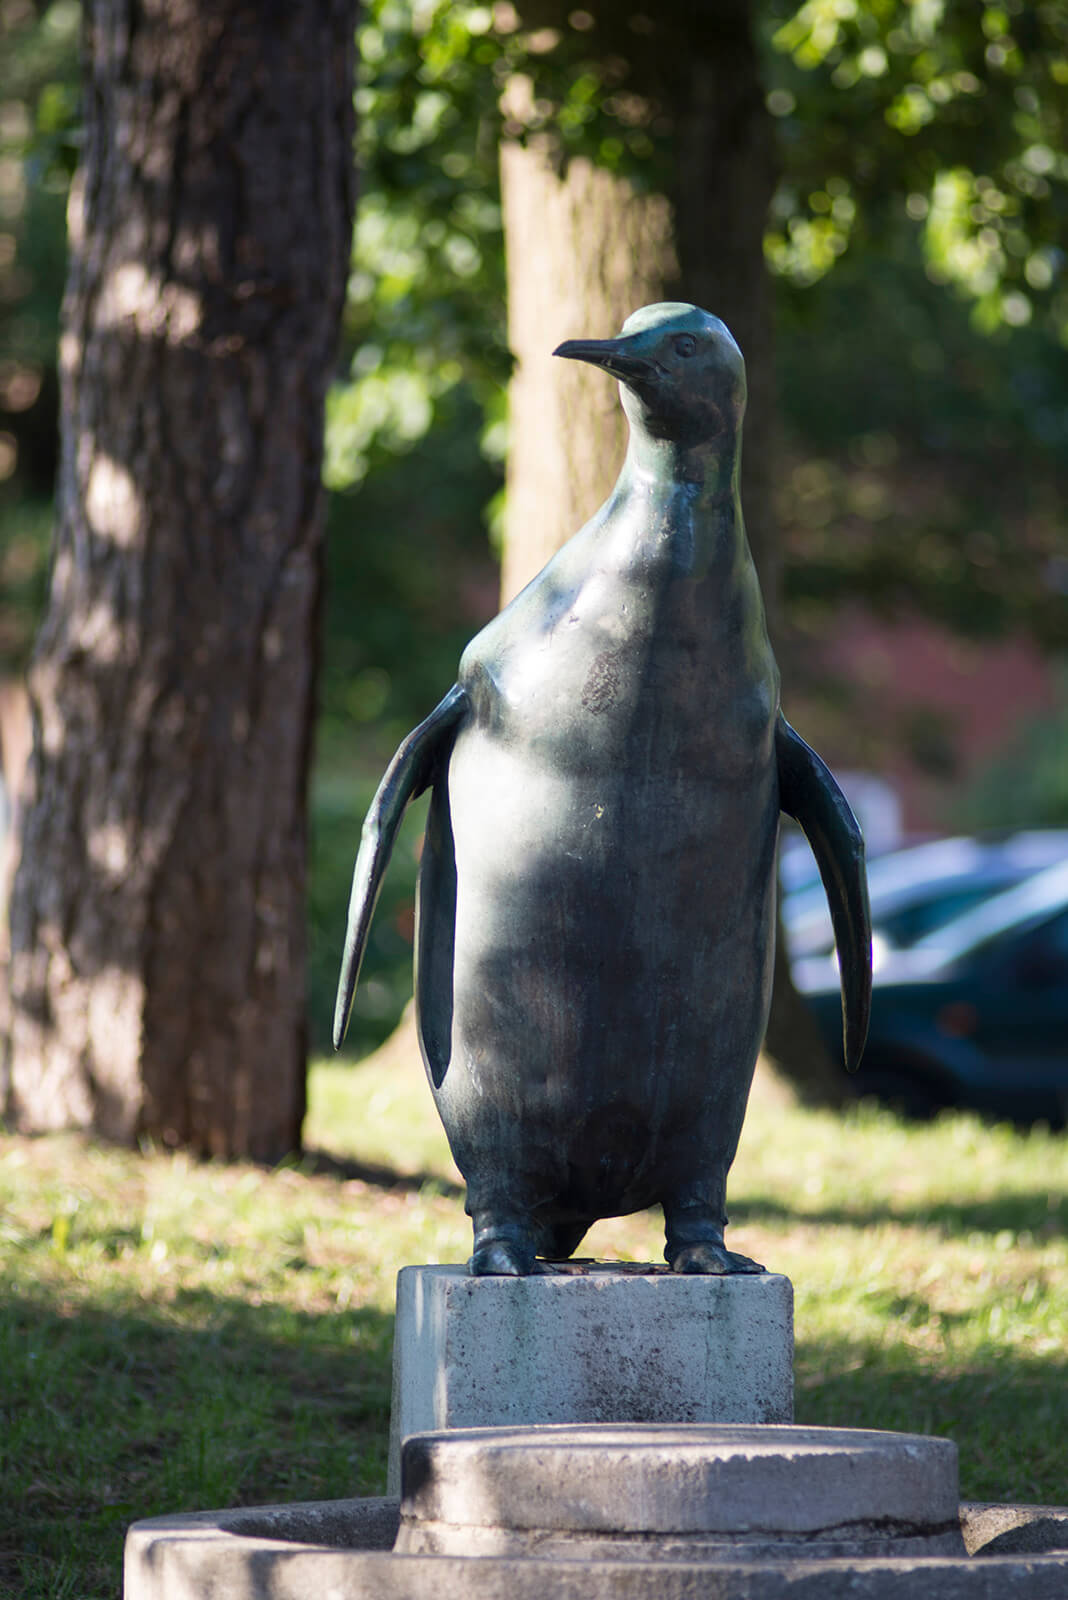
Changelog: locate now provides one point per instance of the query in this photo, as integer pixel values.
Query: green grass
(177, 1336)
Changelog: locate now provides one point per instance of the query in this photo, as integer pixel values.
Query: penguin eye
(685, 345)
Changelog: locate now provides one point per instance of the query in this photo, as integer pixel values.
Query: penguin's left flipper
(809, 794)
(410, 772)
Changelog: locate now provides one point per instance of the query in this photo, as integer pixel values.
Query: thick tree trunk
(585, 248)
(158, 914)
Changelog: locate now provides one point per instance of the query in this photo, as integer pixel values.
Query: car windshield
(915, 890)
(913, 922)
(1041, 894)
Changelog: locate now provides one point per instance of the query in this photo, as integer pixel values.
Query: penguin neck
(704, 476)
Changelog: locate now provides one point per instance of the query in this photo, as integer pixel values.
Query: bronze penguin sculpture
(596, 901)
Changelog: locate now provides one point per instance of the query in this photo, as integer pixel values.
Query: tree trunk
(585, 248)
(157, 920)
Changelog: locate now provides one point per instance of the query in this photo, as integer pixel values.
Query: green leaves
(38, 141)
(426, 296)
(940, 114)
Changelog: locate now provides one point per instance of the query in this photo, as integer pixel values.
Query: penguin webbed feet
(501, 1258)
(509, 1248)
(695, 1240)
(502, 1249)
(712, 1259)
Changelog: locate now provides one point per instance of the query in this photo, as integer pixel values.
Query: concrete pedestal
(587, 1344)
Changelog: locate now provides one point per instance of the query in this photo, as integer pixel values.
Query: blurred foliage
(38, 140)
(925, 465)
(1027, 784)
(950, 113)
(939, 485)
(921, 381)
(410, 578)
(425, 311)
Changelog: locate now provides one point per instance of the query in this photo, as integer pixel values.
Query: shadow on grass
(320, 1163)
(1008, 1416)
(110, 1416)
(1019, 1213)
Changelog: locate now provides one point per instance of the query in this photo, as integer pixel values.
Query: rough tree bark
(157, 918)
(585, 248)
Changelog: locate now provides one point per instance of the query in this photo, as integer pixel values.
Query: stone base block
(597, 1343)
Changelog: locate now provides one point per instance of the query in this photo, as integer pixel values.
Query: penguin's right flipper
(809, 794)
(408, 774)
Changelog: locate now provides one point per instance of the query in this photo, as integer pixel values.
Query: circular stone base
(704, 1492)
(304, 1551)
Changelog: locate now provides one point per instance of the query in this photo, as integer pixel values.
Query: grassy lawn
(178, 1336)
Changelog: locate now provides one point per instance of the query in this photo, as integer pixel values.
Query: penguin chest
(630, 682)
(612, 818)
(610, 799)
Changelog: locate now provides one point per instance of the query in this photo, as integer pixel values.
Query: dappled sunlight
(108, 849)
(145, 301)
(115, 1000)
(113, 503)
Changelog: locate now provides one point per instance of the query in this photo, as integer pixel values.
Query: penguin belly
(596, 938)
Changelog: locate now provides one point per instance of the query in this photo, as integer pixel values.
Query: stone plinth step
(739, 1492)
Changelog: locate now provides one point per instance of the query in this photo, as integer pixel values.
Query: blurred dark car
(914, 891)
(973, 1014)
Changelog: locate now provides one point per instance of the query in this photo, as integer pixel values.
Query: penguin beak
(615, 356)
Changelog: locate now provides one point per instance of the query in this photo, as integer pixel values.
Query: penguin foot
(500, 1257)
(502, 1249)
(713, 1259)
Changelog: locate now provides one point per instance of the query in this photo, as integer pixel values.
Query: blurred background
(913, 435)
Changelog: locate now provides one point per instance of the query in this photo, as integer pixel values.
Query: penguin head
(681, 373)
